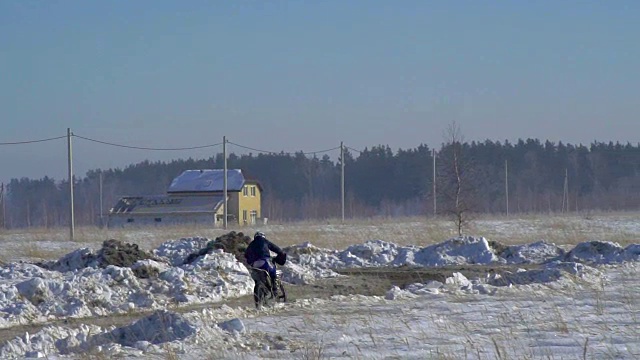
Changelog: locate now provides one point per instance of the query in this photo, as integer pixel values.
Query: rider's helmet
(258, 235)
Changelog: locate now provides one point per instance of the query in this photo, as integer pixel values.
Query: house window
(129, 220)
(244, 216)
(253, 191)
(254, 217)
(158, 219)
(245, 191)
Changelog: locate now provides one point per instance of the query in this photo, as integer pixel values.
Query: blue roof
(207, 181)
(163, 204)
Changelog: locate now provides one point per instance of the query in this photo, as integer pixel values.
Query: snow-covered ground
(563, 320)
(580, 301)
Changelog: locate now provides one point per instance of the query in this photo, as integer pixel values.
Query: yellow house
(195, 196)
(244, 197)
(245, 204)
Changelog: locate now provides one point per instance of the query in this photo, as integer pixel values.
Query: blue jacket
(259, 248)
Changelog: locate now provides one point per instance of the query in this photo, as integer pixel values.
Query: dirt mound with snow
(232, 243)
(113, 252)
(294, 251)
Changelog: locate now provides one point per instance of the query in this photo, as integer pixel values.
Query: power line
(32, 141)
(288, 153)
(146, 148)
(322, 151)
(252, 149)
(176, 148)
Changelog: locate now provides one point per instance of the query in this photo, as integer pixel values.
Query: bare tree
(455, 177)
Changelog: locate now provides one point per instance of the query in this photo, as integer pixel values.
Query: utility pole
(100, 186)
(342, 177)
(506, 184)
(224, 191)
(71, 212)
(565, 194)
(435, 209)
(4, 222)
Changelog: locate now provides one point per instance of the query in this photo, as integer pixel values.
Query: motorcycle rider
(258, 255)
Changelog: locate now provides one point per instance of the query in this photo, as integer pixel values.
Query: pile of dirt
(115, 252)
(497, 247)
(146, 272)
(232, 243)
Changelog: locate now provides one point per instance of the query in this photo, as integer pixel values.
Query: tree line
(538, 176)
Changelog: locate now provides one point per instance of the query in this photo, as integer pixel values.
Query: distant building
(194, 197)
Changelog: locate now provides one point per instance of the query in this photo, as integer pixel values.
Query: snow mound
(308, 262)
(301, 275)
(457, 283)
(395, 293)
(306, 248)
(308, 255)
(157, 328)
(413, 290)
(33, 294)
(188, 250)
(376, 253)
(21, 270)
(177, 251)
(549, 273)
(43, 343)
(233, 243)
(632, 252)
(456, 251)
(534, 253)
(148, 268)
(78, 259)
(603, 252)
(461, 250)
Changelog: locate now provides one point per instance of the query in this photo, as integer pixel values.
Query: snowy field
(562, 229)
(573, 299)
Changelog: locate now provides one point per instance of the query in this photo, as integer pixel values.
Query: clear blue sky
(304, 75)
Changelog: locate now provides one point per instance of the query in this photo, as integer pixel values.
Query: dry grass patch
(563, 229)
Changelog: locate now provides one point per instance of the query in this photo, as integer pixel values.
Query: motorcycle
(264, 294)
